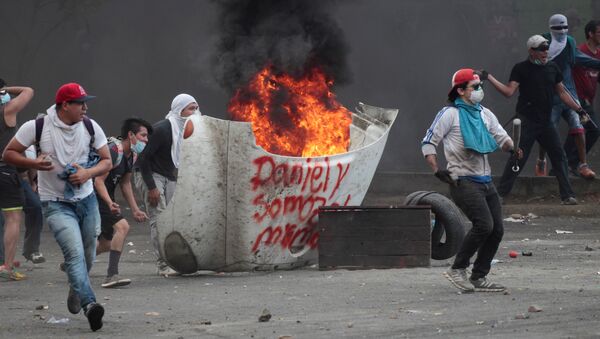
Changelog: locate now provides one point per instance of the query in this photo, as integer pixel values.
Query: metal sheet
(241, 208)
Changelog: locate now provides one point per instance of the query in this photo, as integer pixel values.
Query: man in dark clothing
(157, 166)
(12, 101)
(123, 152)
(537, 80)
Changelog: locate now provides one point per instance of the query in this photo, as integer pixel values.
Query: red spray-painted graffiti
(314, 184)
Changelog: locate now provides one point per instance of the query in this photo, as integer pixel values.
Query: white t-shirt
(50, 186)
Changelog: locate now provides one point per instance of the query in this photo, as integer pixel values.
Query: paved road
(562, 278)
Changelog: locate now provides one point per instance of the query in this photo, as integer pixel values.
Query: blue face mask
(138, 147)
(4, 98)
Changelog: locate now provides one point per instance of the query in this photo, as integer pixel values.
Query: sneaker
(569, 201)
(115, 281)
(11, 274)
(16, 263)
(458, 278)
(73, 302)
(484, 285)
(585, 171)
(541, 170)
(35, 257)
(94, 312)
(166, 271)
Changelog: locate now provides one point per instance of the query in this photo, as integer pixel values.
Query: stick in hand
(516, 141)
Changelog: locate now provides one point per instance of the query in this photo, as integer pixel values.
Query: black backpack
(39, 125)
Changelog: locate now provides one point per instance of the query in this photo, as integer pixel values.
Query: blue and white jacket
(461, 161)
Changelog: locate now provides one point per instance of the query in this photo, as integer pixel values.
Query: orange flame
(293, 116)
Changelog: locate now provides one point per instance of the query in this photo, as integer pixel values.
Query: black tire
(449, 220)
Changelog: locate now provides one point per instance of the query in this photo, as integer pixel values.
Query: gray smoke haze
(136, 55)
(292, 36)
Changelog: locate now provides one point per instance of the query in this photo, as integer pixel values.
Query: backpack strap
(39, 125)
(90, 128)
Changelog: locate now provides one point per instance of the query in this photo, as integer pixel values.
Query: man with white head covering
(563, 51)
(157, 167)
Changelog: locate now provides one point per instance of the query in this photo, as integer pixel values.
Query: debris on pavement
(588, 248)
(41, 307)
(53, 320)
(523, 219)
(521, 316)
(265, 316)
(527, 253)
(563, 232)
(152, 314)
(534, 308)
(513, 254)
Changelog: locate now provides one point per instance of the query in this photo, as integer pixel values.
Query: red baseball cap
(464, 75)
(72, 92)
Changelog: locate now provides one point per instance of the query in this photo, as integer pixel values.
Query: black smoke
(290, 35)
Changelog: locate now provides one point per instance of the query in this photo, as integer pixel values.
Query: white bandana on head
(180, 102)
(559, 36)
(66, 138)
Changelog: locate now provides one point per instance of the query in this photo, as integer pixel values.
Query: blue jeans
(76, 225)
(570, 116)
(592, 133)
(34, 222)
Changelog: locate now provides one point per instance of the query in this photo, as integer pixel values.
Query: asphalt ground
(561, 280)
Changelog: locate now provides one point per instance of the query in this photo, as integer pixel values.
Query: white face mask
(4, 99)
(476, 96)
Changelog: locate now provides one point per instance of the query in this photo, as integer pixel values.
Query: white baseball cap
(535, 41)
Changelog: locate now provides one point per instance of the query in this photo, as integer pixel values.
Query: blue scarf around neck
(476, 136)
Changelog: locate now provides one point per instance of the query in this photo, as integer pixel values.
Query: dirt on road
(552, 293)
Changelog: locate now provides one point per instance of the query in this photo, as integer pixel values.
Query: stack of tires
(447, 219)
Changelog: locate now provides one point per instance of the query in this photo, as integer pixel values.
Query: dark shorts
(107, 220)
(12, 195)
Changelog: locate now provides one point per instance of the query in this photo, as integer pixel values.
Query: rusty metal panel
(242, 208)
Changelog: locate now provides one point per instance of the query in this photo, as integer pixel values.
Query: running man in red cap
(469, 133)
(71, 151)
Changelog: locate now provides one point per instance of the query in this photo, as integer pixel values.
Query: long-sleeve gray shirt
(461, 161)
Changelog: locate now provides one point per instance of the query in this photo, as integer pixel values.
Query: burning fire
(293, 116)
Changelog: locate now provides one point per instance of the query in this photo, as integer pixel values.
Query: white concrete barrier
(238, 208)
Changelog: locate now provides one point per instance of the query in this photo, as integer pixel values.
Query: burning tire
(448, 220)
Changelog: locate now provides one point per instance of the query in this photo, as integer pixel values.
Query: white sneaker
(167, 271)
(115, 281)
